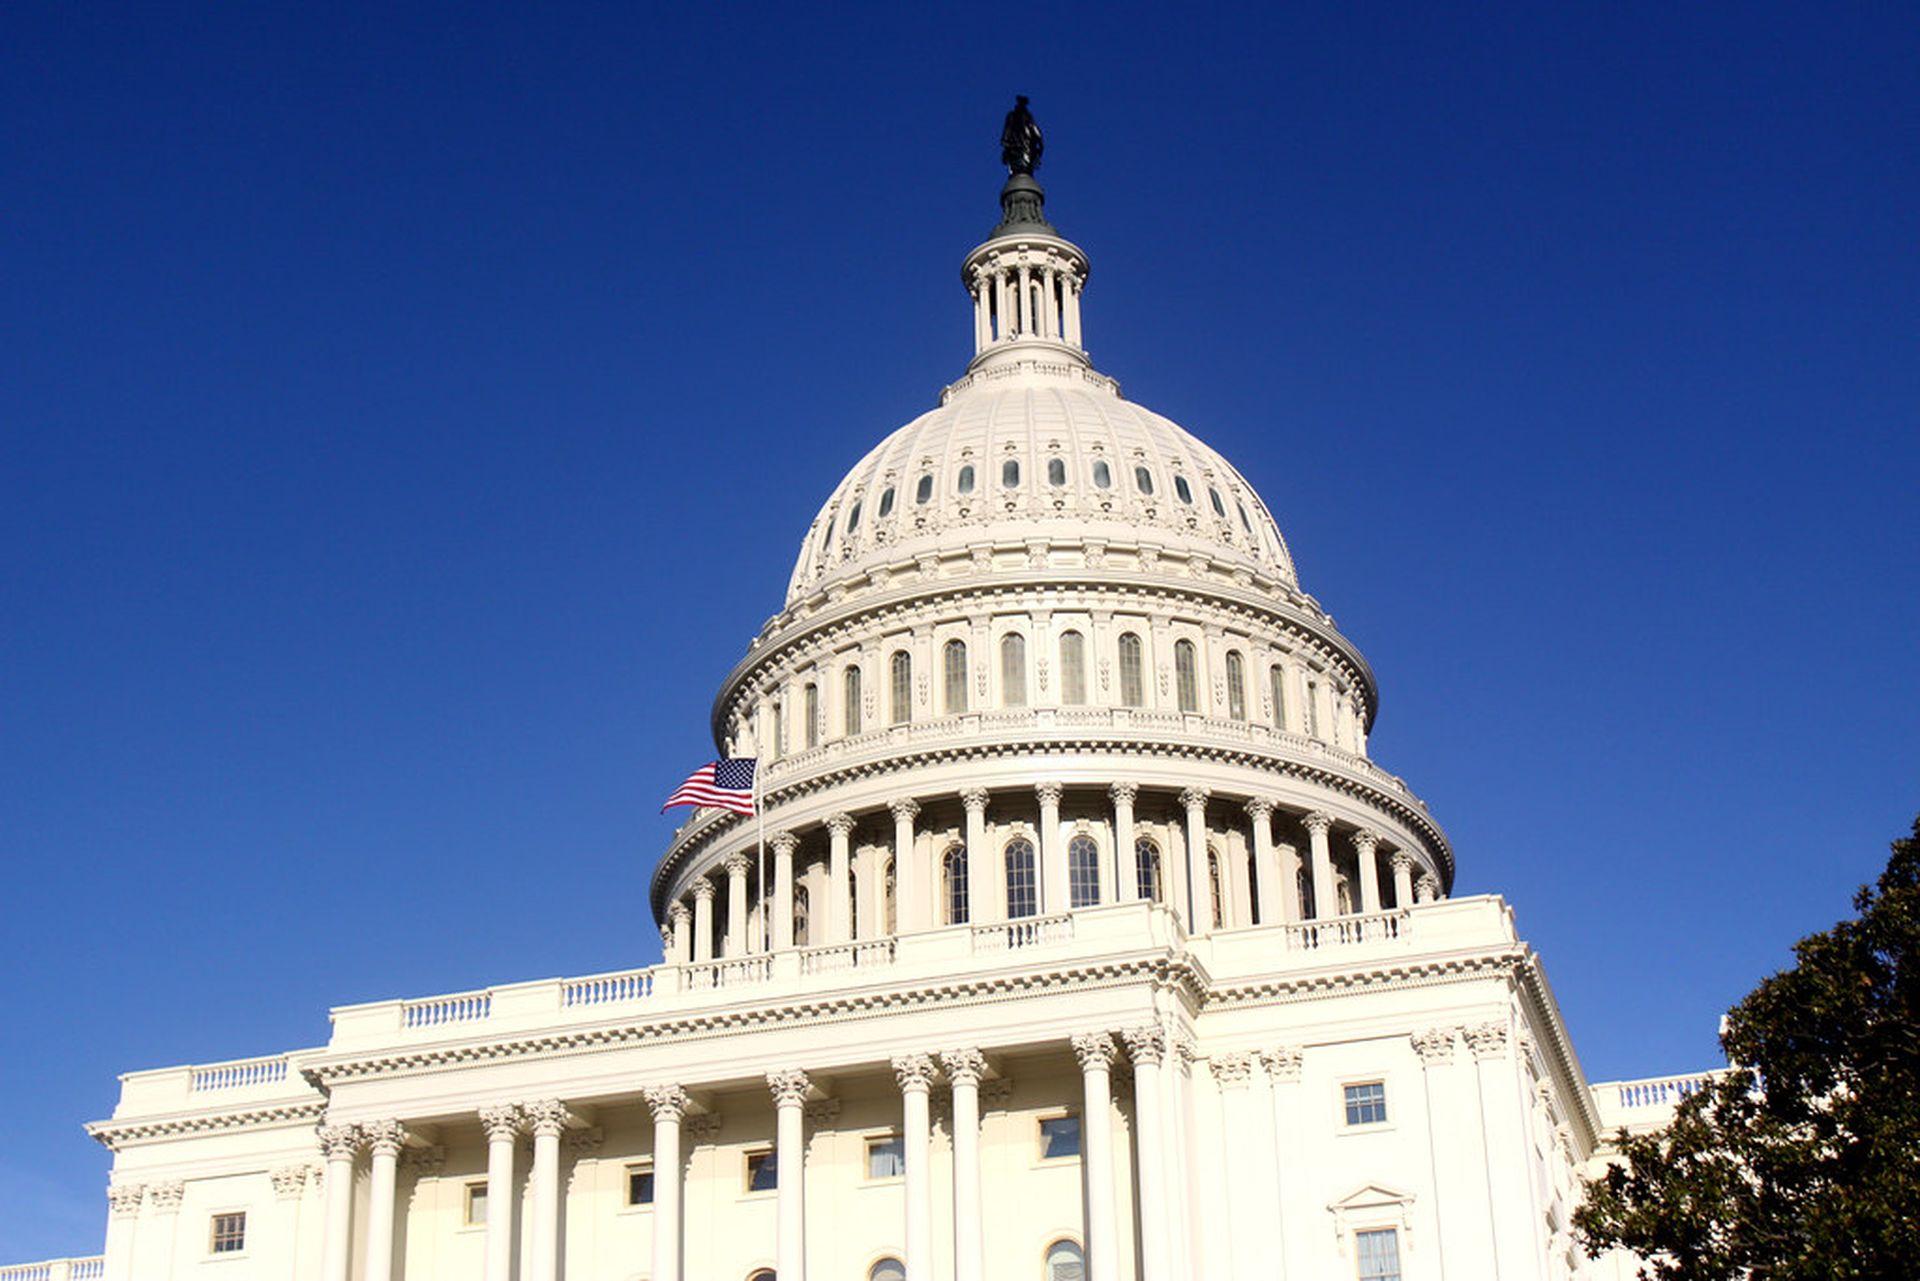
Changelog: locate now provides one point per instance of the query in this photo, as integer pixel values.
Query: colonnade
(1278, 869)
(1025, 296)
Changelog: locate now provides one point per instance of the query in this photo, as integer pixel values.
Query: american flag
(725, 784)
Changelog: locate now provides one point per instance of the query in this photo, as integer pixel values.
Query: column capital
(703, 890)
(1194, 798)
(1283, 1062)
(1146, 1044)
(667, 1103)
(166, 1195)
(666, 937)
(914, 1072)
(1434, 1045)
(679, 913)
(1095, 1050)
(1365, 839)
(500, 1121)
(123, 1199)
(289, 1182)
(339, 1142)
(1050, 792)
(1317, 822)
(840, 824)
(784, 842)
(789, 1086)
(1123, 793)
(384, 1137)
(545, 1117)
(737, 865)
(964, 1066)
(1232, 1069)
(904, 810)
(975, 799)
(1427, 888)
(1487, 1040)
(1259, 809)
(1400, 861)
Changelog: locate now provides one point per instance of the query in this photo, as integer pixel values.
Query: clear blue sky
(407, 414)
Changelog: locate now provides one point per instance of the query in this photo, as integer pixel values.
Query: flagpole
(766, 911)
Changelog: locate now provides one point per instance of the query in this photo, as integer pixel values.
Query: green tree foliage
(1803, 1162)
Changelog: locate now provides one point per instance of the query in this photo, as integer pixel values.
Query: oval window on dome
(1219, 508)
(1010, 474)
(853, 518)
(886, 502)
(1182, 491)
(1056, 471)
(1143, 481)
(963, 483)
(827, 539)
(1102, 474)
(1245, 523)
(924, 490)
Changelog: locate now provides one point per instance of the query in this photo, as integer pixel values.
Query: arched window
(964, 482)
(1056, 471)
(764, 1274)
(1181, 490)
(1133, 686)
(1013, 670)
(1244, 522)
(1236, 686)
(1073, 668)
(1343, 893)
(802, 917)
(1214, 889)
(953, 875)
(1146, 866)
(779, 739)
(850, 693)
(901, 669)
(1083, 872)
(1010, 474)
(1102, 474)
(853, 518)
(889, 901)
(1313, 707)
(1143, 481)
(1251, 871)
(954, 658)
(1065, 1262)
(812, 703)
(888, 1270)
(1277, 690)
(853, 904)
(1303, 885)
(1186, 674)
(1219, 508)
(924, 489)
(1021, 898)
(886, 501)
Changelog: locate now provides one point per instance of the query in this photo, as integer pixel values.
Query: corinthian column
(502, 1124)
(682, 922)
(703, 920)
(668, 1104)
(340, 1144)
(1147, 1047)
(915, 1074)
(1096, 1051)
(1126, 867)
(546, 1118)
(784, 843)
(1325, 902)
(1402, 864)
(789, 1089)
(1265, 865)
(839, 879)
(384, 1140)
(1053, 866)
(964, 1070)
(1364, 845)
(981, 875)
(737, 939)
(1200, 916)
(910, 896)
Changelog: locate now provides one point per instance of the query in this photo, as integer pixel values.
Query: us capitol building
(1092, 942)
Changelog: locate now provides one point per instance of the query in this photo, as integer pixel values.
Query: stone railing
(240, 1073)
(1344, 931)
(607, 989)
(434, 1011)
(731, 972)
(847, 956)
(1658, 1092)
(1030, 931)
(57, 1270)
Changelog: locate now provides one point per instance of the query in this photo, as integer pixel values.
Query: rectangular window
(1059, 1137)
(640, 1184)
(476, 1204)
(763, 1171)
(1367, 1103)
(886, 1156)
(230, 1233)
(1379, 1253)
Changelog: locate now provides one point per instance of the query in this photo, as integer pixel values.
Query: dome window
(1143, 481)
(886, 502)
(963, 483)
(1236, 685)
(1182, 491)
(953, 869)
(900, 682)
(1010, 474)
(1022, 900)
(1102, 474)
(826, 539)
(954, 671)
(1186, 674)
(1219, 508)
(853, 518)
(1056, 471)
(850, 698)
(1083, 872)
(924, 490)
(1132, 676)
(1244, 522)
(1013, 670)
(1073, 668)
(1146, 864)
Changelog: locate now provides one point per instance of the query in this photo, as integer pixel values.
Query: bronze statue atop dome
(1020, 141)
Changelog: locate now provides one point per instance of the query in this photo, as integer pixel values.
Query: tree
(1802, 1162)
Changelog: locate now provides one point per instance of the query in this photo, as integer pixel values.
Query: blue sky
(407, 414)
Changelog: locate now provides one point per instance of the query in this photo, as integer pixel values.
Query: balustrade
(607, 989)
(239, 1073)
(1031, 931)
(435, 1011)
(1660, 1092)
(1343, 931)
(734, 972)
(847, 956)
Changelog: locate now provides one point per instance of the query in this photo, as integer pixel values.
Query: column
(839, 880)
(1325, 902)
(1364, 844)
(1200, 915)
(1026, 302)
(682, 921)
(1402, 863)
(1288, 858)
(910, 894)
(546, 1118)
(737, 937)
(668, 1104)
(915, 1074)
(1049, 280)
(1147, 1047)
(1096, 1050)
(1126, 866)
(1265, 865)
(289, 1190)
(1509, 1154)
(789, 1088)
(964, 1069)
(1053, 864)
(1002, 295)
(703, 920)
(1283, 1080)
(123, 1214)
(981, 322)
(1427, 888)
(384, 1140)
(502, 1124)
(980, 869)
(784, 843)
(1073, 311)
(340, 1143)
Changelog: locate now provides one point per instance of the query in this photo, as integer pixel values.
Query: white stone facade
(1086, 939)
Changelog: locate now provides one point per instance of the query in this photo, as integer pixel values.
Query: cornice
(1544, 1013)
(114, 1135)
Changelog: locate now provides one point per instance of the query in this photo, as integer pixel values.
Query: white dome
(1030, 451)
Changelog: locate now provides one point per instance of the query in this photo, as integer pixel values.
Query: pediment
(1371, 1196)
